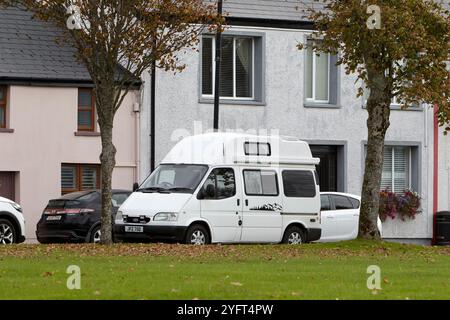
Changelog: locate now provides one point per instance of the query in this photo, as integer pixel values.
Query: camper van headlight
(119, 216)
(166, 216)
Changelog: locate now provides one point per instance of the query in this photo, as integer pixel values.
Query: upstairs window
(241, 68)
(86, 110)
(321, 77)
(317, 75)
(3, 102)
(236, 68)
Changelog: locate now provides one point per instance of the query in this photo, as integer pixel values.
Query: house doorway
(7, 185)
(327, 169)
(331, 169)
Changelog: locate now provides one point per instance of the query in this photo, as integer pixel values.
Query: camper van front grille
(140, 219)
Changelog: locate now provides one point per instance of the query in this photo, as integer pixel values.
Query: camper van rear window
(257, 149)
(299, 184)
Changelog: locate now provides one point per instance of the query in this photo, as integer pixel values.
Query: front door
(7, 188)
(327, 169)
(221, 204)
(262, 220)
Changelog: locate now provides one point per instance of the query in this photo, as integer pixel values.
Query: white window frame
(234, 97)
(313, 78)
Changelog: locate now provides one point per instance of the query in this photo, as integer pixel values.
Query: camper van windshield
(182, 178)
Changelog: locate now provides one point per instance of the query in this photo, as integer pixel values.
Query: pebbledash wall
(44, 122)
(181, 110)
(443, 172)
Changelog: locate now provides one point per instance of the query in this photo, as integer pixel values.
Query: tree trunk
(378, 108)
(108, 162)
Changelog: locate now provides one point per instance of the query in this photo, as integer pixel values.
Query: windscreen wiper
(151, 189)
(180, 189)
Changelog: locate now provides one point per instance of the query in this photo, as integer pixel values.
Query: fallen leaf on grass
(47, 274)
(237, 284)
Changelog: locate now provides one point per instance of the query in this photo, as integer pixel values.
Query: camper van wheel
(294, 235)
(197, 235)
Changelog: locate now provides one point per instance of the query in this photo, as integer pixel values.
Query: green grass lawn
(162, 271)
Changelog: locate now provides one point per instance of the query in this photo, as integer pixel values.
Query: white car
(12, 222)
(340, 216)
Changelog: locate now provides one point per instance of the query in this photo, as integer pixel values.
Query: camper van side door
(262, 220)
(221, 205)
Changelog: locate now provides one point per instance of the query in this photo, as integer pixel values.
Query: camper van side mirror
(210, 191)
(201, 194)
(135, 186)
(206, 193)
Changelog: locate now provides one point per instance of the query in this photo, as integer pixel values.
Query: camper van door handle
(246, 202)
(238, 202)
(240, 222)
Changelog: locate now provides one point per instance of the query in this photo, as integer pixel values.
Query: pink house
(49, 138)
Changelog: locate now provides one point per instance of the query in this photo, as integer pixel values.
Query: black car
(75, 217)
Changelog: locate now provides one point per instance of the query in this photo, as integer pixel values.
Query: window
(396, 169)
(237, 68)
(182, 178)
(325, 203)
(299, 184)
(395, 102)
(86, 110)
(79, 177)
(355, 202)
(257, 149)
(321, 78)
(3, 95)
(260, 183)
(317, 75)
(119, 198)
(220, 184)
(341, 203)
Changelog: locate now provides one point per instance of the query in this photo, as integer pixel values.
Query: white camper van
(227, 188)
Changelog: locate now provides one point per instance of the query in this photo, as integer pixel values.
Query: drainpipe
(137, 126)
(435, 170)
(152, 116)
(218, 60)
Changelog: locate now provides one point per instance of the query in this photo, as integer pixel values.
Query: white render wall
(178, 110)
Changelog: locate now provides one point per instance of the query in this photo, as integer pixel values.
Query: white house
(269, 86)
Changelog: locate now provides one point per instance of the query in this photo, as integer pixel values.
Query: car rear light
(67, 211)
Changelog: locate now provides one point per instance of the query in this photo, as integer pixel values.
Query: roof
(229, 149)
(29, 51)
(275, 12)
(291, 10)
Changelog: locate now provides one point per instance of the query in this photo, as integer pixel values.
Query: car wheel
(197, 235)
(96, 235)
(7, 232)
(294, 235)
